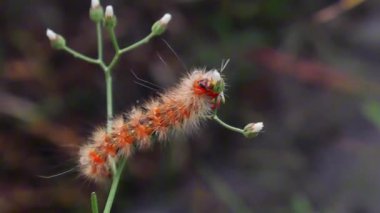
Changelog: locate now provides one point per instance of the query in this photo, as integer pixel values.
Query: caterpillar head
(211, 84)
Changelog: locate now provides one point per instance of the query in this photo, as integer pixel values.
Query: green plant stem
(79, 55)
(100, 40)
(114, 61)
(116, 170)
(232, 128)
(109, 98)
(113, 165)
(111, 31)
(108, 75)
(118, 53)
(94, 203)
(137, 44)
(114, 186)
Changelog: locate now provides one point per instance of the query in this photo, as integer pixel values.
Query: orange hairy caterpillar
(178, 109)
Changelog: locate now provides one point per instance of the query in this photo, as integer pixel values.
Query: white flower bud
(109, 11)
(214, 75)
(110, 20)
(253, 129)
(95, 3)
(96, 11)
(257, 127)
(159, 26)
(56, 40)
(51, 34)
(165, 19)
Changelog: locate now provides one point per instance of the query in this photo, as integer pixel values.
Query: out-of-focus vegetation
(307, 69)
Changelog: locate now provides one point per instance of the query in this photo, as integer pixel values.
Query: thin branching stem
(116, 169)
(79, 55)
(109, 98)
(232, 128)
(114, 61)
(115, 43)
(100, 40)
(114, 186)
(120, 167)
(137, 44)
(157, 29)
(118, 53)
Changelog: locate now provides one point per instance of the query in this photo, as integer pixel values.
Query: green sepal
(158, 28)
(96, 14)
(110, 22)
(58, 43)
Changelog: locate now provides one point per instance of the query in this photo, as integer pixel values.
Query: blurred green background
(307, 69)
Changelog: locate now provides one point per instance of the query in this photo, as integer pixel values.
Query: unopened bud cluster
(108, 18)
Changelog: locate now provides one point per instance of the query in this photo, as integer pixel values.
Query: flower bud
(109, 17)
(253, 129)
(96, 11)
(160, 26)
(56, 41)
(109, 11)
(95, 3)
